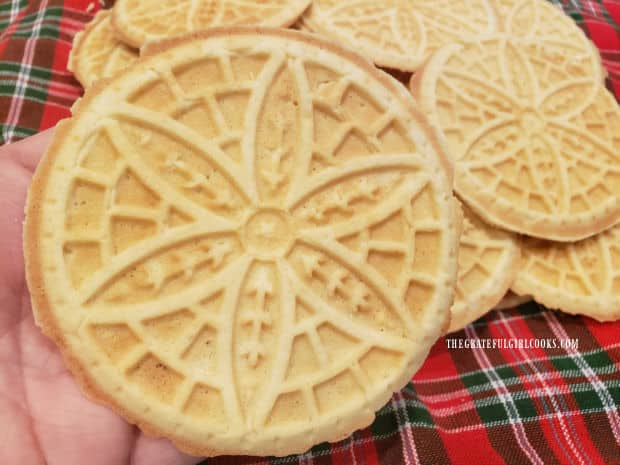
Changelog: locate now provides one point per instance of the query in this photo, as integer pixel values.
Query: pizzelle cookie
(488, 264)
(543, 21)
(138, 21)
(578, 278)
(400, 34)
(245, 242)
(97, 53)
(512, 300)
(534, 134)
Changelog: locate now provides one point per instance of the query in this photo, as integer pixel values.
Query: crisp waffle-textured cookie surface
(400, 34)
(540, 20)
(488, 264)
(534, 134)
(245, 242)
(137, 21)
(579, 278)
(97, 53)
(511, 300)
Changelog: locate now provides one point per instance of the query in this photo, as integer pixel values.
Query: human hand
(45, 418)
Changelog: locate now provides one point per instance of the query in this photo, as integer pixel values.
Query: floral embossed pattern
(247, 242)
(488, 264)
(400, 34)
(137, 21)
(581, 277)
(534, 133)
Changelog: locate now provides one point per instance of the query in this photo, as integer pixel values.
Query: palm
(46, 418)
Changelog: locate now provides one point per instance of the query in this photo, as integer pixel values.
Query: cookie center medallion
(268, 232)
(531, 122)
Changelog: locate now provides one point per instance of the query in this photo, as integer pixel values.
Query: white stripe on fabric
(506, 398)
(599, 387)
(17, 101)
(550, 390)
(404, 428)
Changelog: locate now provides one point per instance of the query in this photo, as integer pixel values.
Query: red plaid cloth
(507, 404)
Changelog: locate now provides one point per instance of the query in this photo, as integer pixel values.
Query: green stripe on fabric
(516, 380)
(614, 390)
(564, 363)
(588, 400)
(527, 310)
(597, 359)
(576, 16)
(492, 414)
(18, 132)
(385, 423)
(46, 21)
(8, 6)
(526, 408)
(32, 93)
(473, 379)
(7, 88)
(321, 449)
(45, 26)
(506, 372)
(45, 32)
(421, 414)
(531, 393)
(538, 418)
(31, 80)
(572, 12)
(48, 24)
(8, 67)
(531, 308)
(52, 12)
(35, 94)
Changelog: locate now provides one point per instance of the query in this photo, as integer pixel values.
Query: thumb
(27, 152)
(157, 451)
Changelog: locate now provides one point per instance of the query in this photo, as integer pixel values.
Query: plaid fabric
(36, 90)
(499, 405)
(496, 406)
(600, 20)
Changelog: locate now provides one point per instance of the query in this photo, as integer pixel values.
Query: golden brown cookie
(97, 52)
(488, 264)
(578, 278)
(139, 21)
(399, 34)
(534, 134)
(245, 242)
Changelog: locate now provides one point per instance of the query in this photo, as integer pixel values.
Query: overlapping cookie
(541, 20)
(534, 134)
(400, 34)
(97, 53)
(245, 242)
(138, 21)
(578, 278)
(512, 300)
(488, 264)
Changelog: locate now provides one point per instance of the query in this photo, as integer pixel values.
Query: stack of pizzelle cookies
(112, 40)
(517, 92)
(535, 137)
(245, 238)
